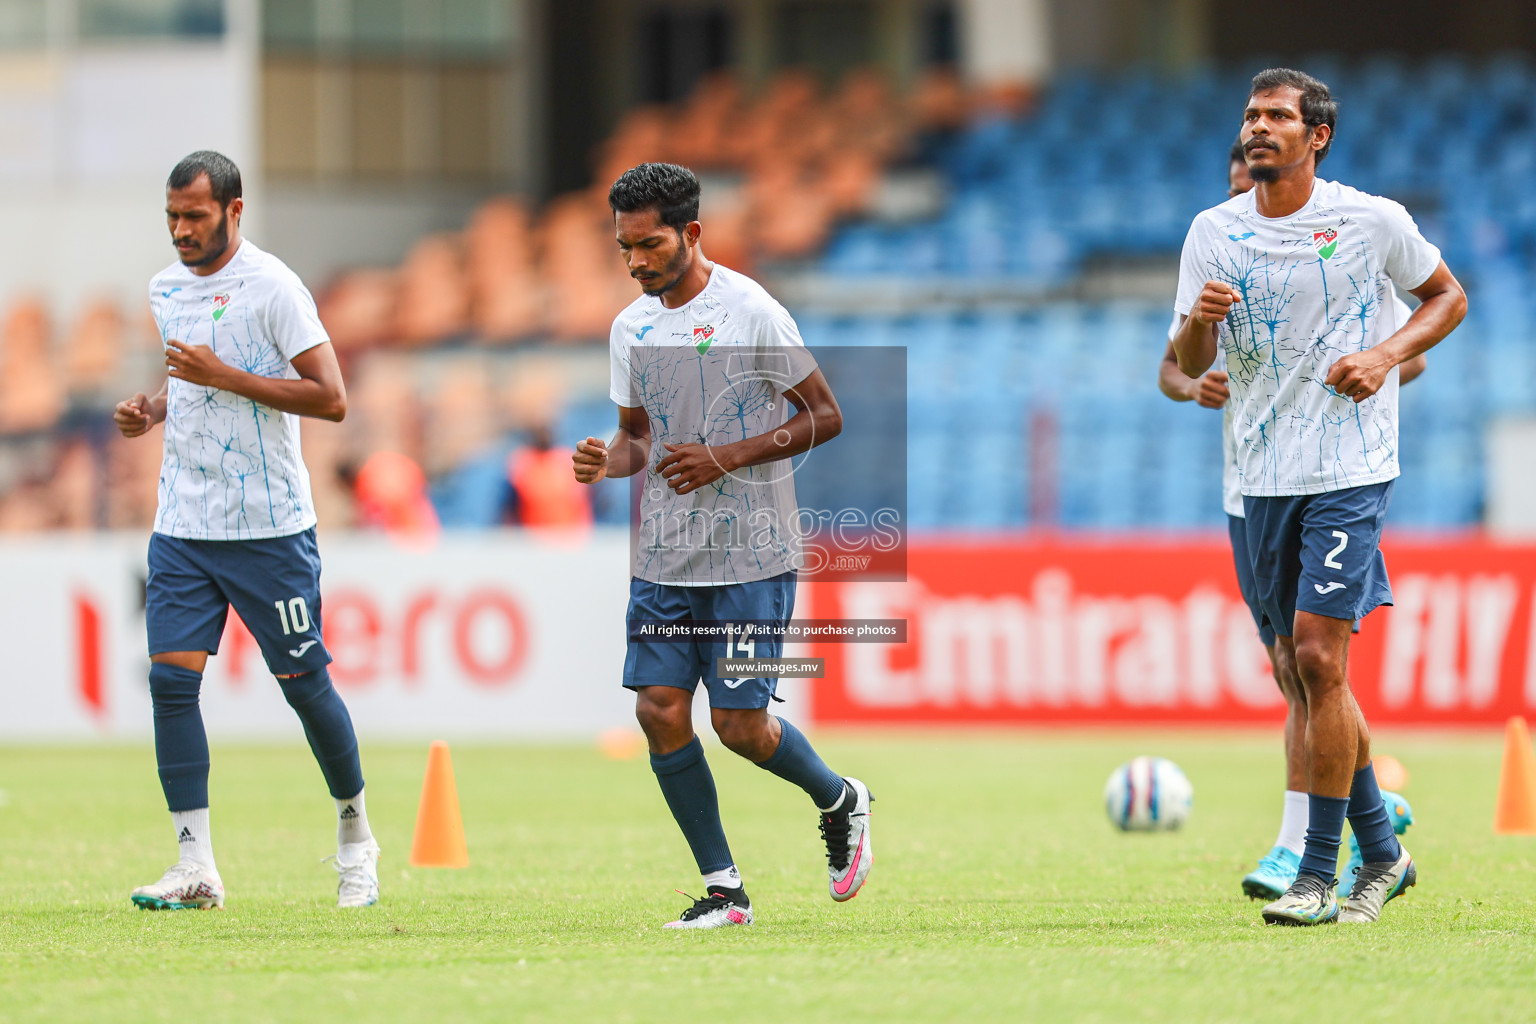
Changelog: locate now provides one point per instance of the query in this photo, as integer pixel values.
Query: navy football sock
(1325, 832)
(795, 760)
(328, 727)
(181, 744)
(1368, 817)
(689, 787)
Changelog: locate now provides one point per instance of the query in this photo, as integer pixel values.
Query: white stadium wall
(494, 635)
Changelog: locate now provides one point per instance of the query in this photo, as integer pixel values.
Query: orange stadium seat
(939, 101)
(434, 295)
(507, 295)
(95, 347)
(359, 309)
(31, 388)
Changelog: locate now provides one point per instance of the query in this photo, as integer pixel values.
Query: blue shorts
(682, 664)
(1319, 553)
(273, 584)
(1237, 530)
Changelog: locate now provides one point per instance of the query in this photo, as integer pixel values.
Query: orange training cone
(439, 841)
(1515, 813)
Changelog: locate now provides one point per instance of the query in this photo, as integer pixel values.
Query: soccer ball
(1148, 794)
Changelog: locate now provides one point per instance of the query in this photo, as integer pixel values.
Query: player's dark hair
(1235, 155)
(672, 191)
(223, 175)
(1317, 103)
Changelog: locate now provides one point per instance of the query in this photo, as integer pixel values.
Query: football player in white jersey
(706, 366)
(245, 356)
(1277, 869)
(1293, 282)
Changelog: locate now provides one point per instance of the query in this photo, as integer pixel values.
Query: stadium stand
(1099, 174)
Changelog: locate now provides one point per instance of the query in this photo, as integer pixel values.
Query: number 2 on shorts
(1343, 543)
(296, 610)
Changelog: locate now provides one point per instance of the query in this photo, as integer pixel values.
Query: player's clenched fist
(134, 416)
(590, 460)
(1359, 375)
(1215, 301)
(1210, 391)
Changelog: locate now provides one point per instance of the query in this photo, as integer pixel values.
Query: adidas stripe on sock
(352, 821)
(193, 837)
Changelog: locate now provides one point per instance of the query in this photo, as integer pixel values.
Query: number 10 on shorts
(295, 611)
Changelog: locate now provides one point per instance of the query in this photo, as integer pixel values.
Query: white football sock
(729, 878)
(193, 837)
(1293, 823)
(352, 821)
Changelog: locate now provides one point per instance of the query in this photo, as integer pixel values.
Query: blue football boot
(1274, 875)
(1401, 815)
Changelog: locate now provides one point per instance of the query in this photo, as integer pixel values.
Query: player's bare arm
(136, 415)
(624, 456)
(1209, 390)
(819, 419)
(319, 391)
(1442, 305)
(1194, 343)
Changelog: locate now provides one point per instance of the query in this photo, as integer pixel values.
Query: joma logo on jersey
(1326, 242)
(703, 334)
(220, 304)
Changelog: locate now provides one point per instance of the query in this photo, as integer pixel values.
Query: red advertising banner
(1075, 631)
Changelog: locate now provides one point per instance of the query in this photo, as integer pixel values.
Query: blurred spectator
(547, 493)
(391, 494)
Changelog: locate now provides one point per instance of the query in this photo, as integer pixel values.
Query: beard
(217, 244)
(1264, 175)
(670, 274)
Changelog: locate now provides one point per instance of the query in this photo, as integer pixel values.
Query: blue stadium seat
(1041, 198)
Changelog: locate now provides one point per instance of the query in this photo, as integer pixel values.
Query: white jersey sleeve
(290, 317)
(1407, 257)
(780, 352)
(1192, 273)
(621, 387)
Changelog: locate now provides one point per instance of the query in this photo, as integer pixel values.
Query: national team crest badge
(220, 304)
(1326, 242)
(703, 334)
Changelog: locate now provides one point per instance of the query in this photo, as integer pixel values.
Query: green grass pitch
(999, 892)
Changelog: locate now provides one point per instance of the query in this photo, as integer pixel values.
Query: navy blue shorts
(1319, 553)
(273, 584)
(682, 664)
(1237, 530)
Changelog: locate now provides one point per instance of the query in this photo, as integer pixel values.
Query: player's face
(1275, 139)
(199, 226)
(657, 255)
(1238, 178)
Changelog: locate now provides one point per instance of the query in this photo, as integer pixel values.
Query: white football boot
(846, 833)
(716, 910)
(358, 866)
(1375, 885)
(186, 885)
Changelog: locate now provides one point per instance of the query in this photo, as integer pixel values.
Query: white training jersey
(1315, 286)
(1231, 475)
(232, 468)
(712, 371)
